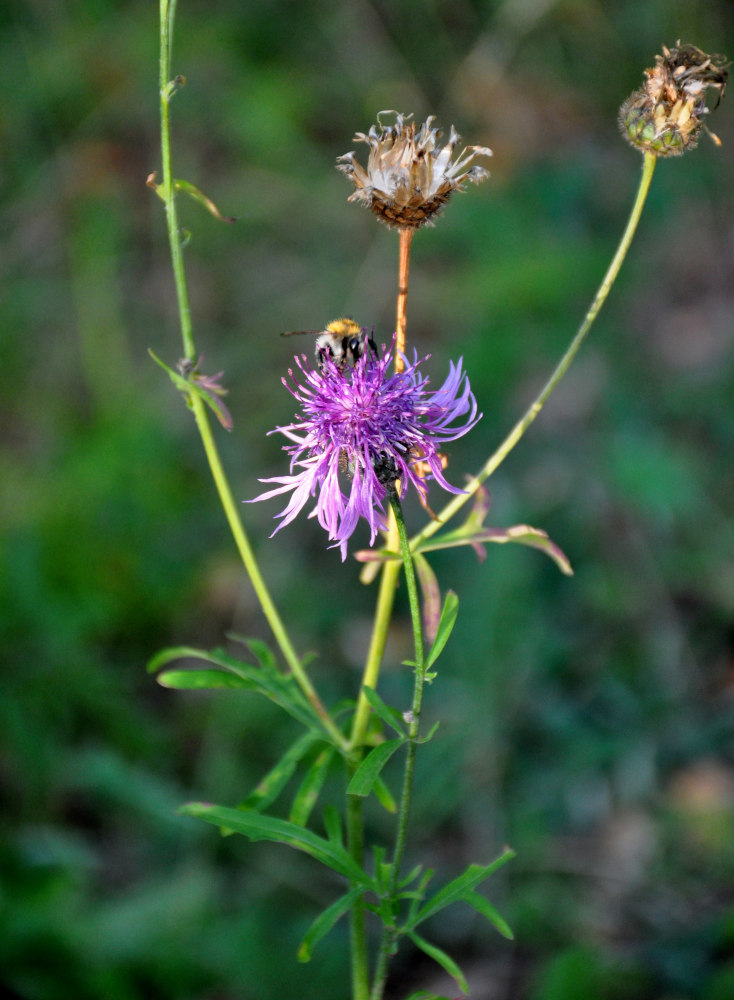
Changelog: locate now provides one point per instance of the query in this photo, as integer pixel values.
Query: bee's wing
(296, 333)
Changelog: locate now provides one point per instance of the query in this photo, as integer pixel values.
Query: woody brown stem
(406, 237)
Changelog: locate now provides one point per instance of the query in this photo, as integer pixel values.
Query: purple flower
(360, 430)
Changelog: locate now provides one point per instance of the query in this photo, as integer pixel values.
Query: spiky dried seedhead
(409, 177)
(665, 116)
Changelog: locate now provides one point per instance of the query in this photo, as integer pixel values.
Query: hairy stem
(496, 459)
(389, 933)
(357, 927)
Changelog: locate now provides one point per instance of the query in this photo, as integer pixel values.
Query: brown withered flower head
(666, 115)
(409, 176)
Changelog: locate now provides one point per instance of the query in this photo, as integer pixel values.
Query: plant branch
(168, 88)
(390, 933)
(496, 459)
(401, 319)
(357, 927)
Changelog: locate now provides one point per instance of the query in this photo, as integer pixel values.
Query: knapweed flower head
(360, 431)
(666, 115)
(409, 176)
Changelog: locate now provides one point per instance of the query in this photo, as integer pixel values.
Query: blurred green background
(587, 722)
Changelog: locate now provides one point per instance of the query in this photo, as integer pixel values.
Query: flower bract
(409, 176)
(363, 430)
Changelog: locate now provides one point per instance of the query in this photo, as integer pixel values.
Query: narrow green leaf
(423, 995)
(202, 199)
(431, 595)
(456, 890)
(483, 906)
(384, 796)
(259, 649)
(171, 653)
(369, 770)
(333, 825)
(255, 826)
(325, 921)
(411, 876)
(307, 795)
(199, 680)
(420, 896)
(383, 870)
(390, 716)
(445, 627)
(521, 534)
(432, 731)
(266, 679)
(268, 790)
(445, 961)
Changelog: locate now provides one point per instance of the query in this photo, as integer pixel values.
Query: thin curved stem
(496, 459)
(247, 555)
(168, 88)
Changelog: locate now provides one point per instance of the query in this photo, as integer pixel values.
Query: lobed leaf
(420, 895)
(255, 826)
(483, 906)
(270, 787)
(521, 534)
(259, 649)
(423, 995)
(458, 888)
(266, 679)
(202, 199)
(199, 680)
(439, 955)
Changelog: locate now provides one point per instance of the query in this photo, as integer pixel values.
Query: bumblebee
(343, 340)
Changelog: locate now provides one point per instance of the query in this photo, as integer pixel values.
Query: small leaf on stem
(431, 595)
(445, 627)
(369, 770)
(325, 921)
(445, 961)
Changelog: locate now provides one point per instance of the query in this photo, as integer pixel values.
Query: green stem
(247, 555)
(231, 508)
(357, 926)
(536, 406)
(168, 89)
(383, 614)
(390, 933)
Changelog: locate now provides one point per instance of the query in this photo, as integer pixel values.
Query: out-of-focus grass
(588, 721)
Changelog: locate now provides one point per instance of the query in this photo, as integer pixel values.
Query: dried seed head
(665, 116)
(409, 177)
